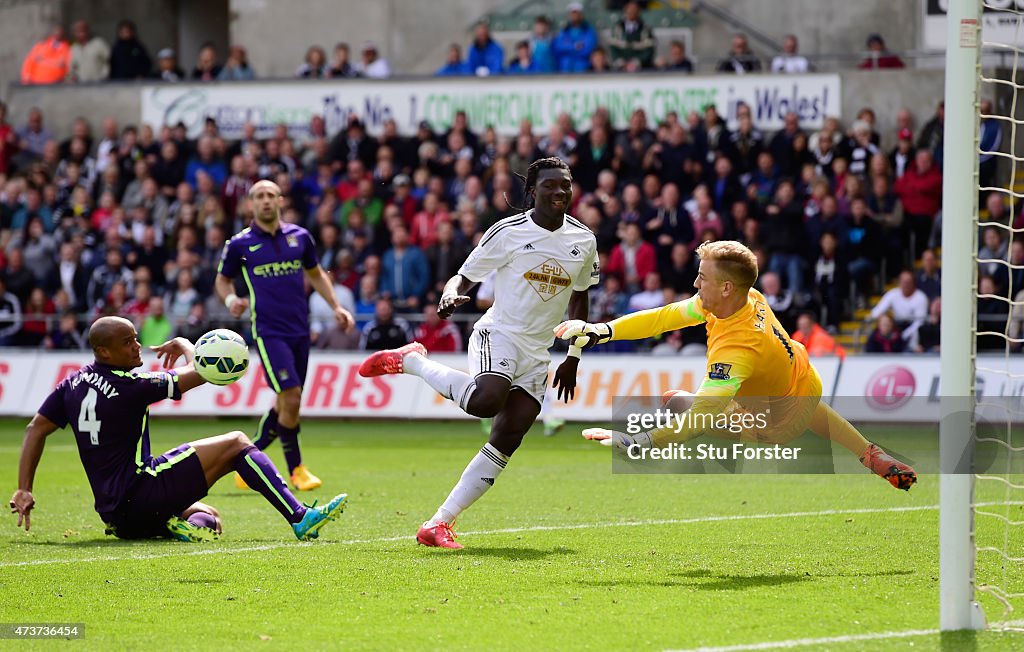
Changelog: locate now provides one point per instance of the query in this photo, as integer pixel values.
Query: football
(222, 357)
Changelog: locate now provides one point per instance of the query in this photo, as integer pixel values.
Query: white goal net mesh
(999, 456)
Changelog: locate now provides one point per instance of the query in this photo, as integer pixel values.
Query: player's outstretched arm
(636, 326)
(653, 322)
(173, 350)
(454, 295)
(36, 433)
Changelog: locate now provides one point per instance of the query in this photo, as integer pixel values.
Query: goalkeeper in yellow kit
(752, 364)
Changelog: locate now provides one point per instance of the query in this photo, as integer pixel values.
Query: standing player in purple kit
(271, 257)
(137, 495)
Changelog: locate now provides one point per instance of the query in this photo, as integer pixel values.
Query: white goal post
(958, 607)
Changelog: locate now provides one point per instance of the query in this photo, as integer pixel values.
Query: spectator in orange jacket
(816, 339)
(48, 61)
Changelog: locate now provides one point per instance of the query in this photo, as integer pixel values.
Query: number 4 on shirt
(87, 421)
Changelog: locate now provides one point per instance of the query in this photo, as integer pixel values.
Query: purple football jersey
(108, 410)
(273, 266)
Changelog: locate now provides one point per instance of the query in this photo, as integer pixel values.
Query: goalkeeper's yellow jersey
(749, 352)
(750, 356)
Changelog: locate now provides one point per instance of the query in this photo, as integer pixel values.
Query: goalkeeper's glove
(579, 333)
(620, 441)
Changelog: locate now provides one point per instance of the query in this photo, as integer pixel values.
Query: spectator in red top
(36, 312)
(920, 191)
(438, 335)
(633, 259)
(423, 232)
(8, 141)
(49, 60)
(344, 270)
(878, 56)
(137, 309)
(348, 188)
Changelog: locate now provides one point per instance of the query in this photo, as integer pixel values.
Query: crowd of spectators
(631, 45)
(89, 58)
(131, 220)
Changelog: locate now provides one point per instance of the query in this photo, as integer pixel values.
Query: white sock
(450, 383)
(478, 477)
(545, 405)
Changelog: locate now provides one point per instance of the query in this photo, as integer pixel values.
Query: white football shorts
(495, 352)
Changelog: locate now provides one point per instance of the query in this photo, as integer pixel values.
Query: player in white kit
(546, 261)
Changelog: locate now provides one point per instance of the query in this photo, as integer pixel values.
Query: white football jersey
(537, 271)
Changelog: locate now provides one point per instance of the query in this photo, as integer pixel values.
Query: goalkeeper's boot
(239, 482)
(317, 517)
(389, 361)
(182, 530)
(552, 426)
(439, 535)
(898, 474)
(303, 480)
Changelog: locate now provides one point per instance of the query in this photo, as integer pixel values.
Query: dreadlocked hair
(530, 180)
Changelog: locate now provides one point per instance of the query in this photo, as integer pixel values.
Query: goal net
(982, 447)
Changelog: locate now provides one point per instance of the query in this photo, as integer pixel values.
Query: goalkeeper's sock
(478, 477)
(450, 383)
(829, 424)
(260, 473)
(266, 431)
(290, 446)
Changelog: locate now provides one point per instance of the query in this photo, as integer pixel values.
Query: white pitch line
(804, 642)
(849, 638)
(515, 530)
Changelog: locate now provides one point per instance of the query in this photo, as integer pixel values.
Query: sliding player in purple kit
(137, 495)
(272, 256)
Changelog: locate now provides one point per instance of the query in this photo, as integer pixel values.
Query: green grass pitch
(560, 554)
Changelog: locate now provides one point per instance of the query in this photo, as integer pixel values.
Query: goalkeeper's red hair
(734, 261)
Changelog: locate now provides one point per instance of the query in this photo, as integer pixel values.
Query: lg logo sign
(890, 388)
